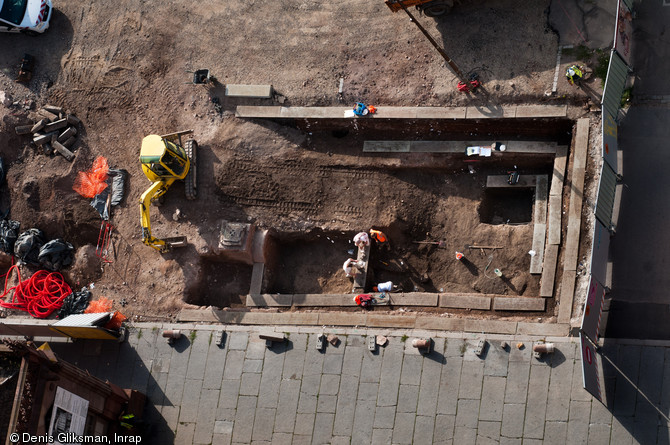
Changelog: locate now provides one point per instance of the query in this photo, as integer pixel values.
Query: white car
(26, 16)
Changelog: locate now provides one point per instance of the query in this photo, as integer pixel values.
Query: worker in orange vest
(380, 238)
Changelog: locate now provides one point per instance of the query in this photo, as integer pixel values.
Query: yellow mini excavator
(164, 160)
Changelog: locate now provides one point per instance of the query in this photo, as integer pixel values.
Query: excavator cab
(164, 160)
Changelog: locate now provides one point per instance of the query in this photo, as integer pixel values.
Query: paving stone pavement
(244, 392)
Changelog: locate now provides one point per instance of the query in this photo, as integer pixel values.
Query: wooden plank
(541, 111)
(465, 301)
(386, 146)
(256, 286)
(581, 143)
(257, 111)
(487, 112)
(558, 175)
(414, 299)
(267, 300)
(539, 234)
(257, 91)
(576, 193)
(342, 319)
(567, 296)
(543, 329)
(541, 194)
(323, 300)
(391, 321)
(554, 220)
(572, 245)
(500, 181)
(439, 323)
(518, 304)
(549, 271)
(490, 326)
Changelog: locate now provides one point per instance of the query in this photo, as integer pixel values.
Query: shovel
(437, 243)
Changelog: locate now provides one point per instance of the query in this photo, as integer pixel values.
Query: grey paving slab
(382, 436)
(472, 378)
(509, 441)
(536, 407)
(323, 428)
(424, 426)
(340, 440)
(271, 377)
(140, 376)
(184, 434)
(282, 439)
(622, 430)
(234, 365)
(294, 358)
(326, 403)
(363, 422)
(497, 359)
(244, 419)
(444, 428)
(230, 389)
(578, 392)
(255, 349)
(252, 366)
(209, 400)
(560, 385)
(390, 376)
(238, 340)
(599, 433)
(468, 413)
(408, 396)
(493, 395)
(650, 375)
(171, 416)
(346, 405)
(250, 384)
(411, 370)
(330, 384)
(198, 358)
(332, 363)
(311, 384)
(289, 394)
(304, 424)
(465, 436)
(645, 430)
(372, 366)
(190, 401)
(223, 427)
(307, 403)
(313, 358)
(520, 355)
(488, 433)
(665, 386)
(454, 347)
(578, 425)
(428, 392)
(216, 360)
(403, 429)
(600, 413)
(263, 424)
(555, 433)
(663, 435)
(368, 391)
(353, 358)
(449, 385)
(384, 417)
(513, 419)
(302, 440)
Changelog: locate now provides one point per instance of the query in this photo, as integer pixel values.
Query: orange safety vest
(378, 235)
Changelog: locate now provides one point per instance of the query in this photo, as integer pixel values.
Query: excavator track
(191, 186)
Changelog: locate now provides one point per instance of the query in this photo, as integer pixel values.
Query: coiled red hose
(39, 295)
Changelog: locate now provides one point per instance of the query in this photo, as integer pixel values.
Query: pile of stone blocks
(54, 131)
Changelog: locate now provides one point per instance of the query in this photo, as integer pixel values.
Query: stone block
(518, 304)
(465, 301)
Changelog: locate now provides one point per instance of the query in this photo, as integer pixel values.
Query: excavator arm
(157, 189)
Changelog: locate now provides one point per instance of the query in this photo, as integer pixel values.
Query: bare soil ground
(121, 68)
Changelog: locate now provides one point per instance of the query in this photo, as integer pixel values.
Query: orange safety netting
(100, 305)
(90, 183)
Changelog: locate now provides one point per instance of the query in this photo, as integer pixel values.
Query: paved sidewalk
(245, 393)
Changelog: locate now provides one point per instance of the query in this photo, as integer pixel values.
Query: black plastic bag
(75, 303)
(56, 254)
(117, 187)
(27, 246)
(9, 231)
